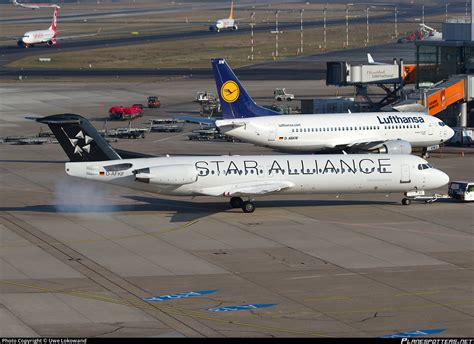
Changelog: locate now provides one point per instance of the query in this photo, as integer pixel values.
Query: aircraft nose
(450, 133)
(439, 179)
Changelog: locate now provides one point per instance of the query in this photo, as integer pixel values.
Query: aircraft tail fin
(234, 99)
(231, 15)
(370, 58)
(79, 139)
(55, 18)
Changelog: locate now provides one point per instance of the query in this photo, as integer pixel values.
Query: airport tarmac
(78, 258)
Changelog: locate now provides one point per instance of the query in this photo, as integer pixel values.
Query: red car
(153, 102)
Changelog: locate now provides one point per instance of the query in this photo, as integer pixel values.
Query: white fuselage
(225, 24)
(323, 132)
(37, 37)
(299, 174)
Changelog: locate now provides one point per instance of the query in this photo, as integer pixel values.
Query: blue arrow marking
(179, 295)
(417, 333)
(240, 308)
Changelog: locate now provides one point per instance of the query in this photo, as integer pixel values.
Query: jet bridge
(390, 77)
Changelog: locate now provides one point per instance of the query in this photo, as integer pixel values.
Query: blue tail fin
(235, 101)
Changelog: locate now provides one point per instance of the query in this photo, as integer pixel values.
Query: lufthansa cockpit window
(441, 124)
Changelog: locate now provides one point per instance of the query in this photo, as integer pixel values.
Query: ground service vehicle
(123, 113)
(166, 125)
(281, 94)
(153, 102)
(461, 190)
(210, 134)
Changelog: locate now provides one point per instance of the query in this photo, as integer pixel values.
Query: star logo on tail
(75, 142)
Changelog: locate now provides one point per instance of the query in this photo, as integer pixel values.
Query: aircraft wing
(9, 38)
(199, 120)
(247, 189)
(361, 145)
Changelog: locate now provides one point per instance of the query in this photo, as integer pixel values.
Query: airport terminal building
(451, 59)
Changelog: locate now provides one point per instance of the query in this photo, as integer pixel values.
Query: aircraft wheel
(406, 201)
(248, 207)
(236, 202)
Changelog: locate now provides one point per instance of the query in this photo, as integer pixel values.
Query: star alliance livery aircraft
(237, 176)
(380, 132)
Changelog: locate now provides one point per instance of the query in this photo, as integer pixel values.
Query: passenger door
(271, 132)
(430, 128)
(405, 174)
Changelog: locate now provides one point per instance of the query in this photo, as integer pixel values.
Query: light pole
(276, 32)
(396, 22)
(423, 15)
(252, 24)
(301, 20)
(324, 39)
(446, 13)
(367, 40)
(347, 25)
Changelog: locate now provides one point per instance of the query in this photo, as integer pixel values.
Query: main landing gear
(247, 206)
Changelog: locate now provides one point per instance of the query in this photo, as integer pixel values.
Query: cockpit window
(424, 166)
(441, 123)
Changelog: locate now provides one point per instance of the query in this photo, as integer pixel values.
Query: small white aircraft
(33, 6)
(237, 177)
(225, 24)
(376, 132)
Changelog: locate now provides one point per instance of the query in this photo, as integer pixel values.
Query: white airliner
(237, 176)
(48, 36)
(378, 132)
(225, 24)
(34, 6)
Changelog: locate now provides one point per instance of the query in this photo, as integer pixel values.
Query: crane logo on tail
(230, 91)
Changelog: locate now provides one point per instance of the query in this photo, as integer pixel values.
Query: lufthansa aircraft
(237, 176)
(377, 132)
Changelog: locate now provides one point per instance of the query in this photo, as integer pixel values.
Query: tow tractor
(281, 94)
(457, 190)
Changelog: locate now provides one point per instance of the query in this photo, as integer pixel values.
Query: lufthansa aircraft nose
(449, 133)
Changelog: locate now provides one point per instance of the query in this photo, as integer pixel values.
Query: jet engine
(51, 43)
(393, 147)
(167, 175)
